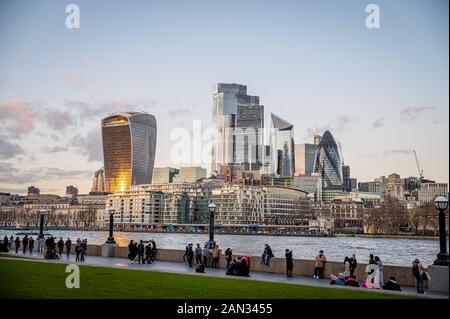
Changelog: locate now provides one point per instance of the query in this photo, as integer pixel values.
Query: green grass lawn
(30, 279)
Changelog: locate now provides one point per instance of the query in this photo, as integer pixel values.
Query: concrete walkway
(183, 268)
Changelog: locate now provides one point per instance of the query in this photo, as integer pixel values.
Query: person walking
(186, 252)
(25, 244)
(148, 253)
(5, 243)
(216, 256)
(83, 249)
(381, 269)
(11, 240)
(205, 252)
(319, 264)
(228, 256)
(190, 255)
(418, 271)
(68, 246)
(353, 264)
(140, 250)
(154, 251)
(198, 255)
(77, 251)
(31, 245)
(60, 247)
(346, 268)
(289, 263)
(131, 250)
(17, 244)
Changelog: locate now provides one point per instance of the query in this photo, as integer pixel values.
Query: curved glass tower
(328, 162)
(282, 146)
(129, 143)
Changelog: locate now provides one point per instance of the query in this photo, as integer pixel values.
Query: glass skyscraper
(238, 120)
(129, 142)
(305, 155)
(328, 162)
(282, 146)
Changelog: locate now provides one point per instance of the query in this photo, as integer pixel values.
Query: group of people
(141, 253)
(201, 256)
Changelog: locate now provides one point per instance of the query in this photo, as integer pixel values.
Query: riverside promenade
(183, 268)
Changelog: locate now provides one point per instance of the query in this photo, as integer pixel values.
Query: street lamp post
(110, 239)
(42, 213)
(212, 210)
(441, 203)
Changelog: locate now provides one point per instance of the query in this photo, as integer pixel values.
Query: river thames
(396, 251)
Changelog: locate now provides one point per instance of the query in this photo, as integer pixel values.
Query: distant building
(310, 184)
(33, 191)
(5, 198)
(92, 199)
(305, 154)
(328, 162)
(282, 146)
(190, 174)
(98, 182)
(394, 187)
(129, 142)
(71, 191)
(380, 184)
(354, 184)
(164, 174)
(347, 187)
(428, 192)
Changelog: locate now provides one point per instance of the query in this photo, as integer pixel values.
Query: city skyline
(386, 99)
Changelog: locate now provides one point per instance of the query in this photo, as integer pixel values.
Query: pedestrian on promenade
(186, 252)
(39, 244)
(60, 246)
(419, 271)
(31, 245)
(228, 256)
(25, 244)
(11, 240)
(68, 246)
(148, 253)
(346, 267)
(17, 244)
(77, 251)
(190, 255)
(205, 253)
(4, 246)
(319, 264)
(140, 251)
(216, 256)
(353, 264)
(83, 251)
(131, 250)
(381, 269)
(154, 251)
(198, 255)
(289, 263)
(372, 260)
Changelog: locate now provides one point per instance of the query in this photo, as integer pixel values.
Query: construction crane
(418, 168)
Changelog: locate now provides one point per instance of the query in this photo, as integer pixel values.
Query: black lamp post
(212, 210)
(110, 239)
(441, 203)
(42, 213)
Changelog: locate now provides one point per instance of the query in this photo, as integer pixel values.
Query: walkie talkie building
(129, 143)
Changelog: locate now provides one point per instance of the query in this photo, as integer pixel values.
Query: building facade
(190, 174)
(305, 154)
(328, 162)
(129, 142)
(164, 174)
(282, 147)
(98, 181)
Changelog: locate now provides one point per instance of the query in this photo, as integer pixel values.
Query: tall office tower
(328, 162)
(282, 146)
(33, 190)
(98, 182)
(346, 187)
(71, 191)
(238, 120)
(305, 154)
(129, 142)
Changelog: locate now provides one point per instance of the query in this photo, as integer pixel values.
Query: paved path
(183, 268)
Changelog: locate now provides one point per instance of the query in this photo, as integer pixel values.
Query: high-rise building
(305, 154)
(98, 181)
(238, 120)
(33, 190)
(317, 139)
(380, 184)
(129, 142)
(71, 191)
(164, 175)
(394, 187)
(328, 162)
(190, 174)
(347, 187)
(282, 146)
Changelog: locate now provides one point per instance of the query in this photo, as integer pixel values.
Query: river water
(391, 251)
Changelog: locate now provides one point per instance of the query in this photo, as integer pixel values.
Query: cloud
(179, 112)
(378, 123)
(54, 149)
(16, 116)
(9, 149)
(74, 81)
(412, 113)
(58, 120)
(397, 152)
(90, 145)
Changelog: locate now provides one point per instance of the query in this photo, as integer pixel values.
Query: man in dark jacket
(17, 244)
(68, 246)
(60, 246)
(131, 250)
(190, 255)
(353, 264)
(25, 244)
(140, 250)
(289, 263)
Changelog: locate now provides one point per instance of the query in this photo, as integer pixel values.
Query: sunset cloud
(16, 116)
(9, 149)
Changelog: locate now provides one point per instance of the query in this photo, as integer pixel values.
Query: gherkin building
(328, 162)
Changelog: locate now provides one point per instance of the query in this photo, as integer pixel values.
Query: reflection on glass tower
(282, 146)
(328, 162)
(129, 142)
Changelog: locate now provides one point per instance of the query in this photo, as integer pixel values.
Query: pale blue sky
(381, 92)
